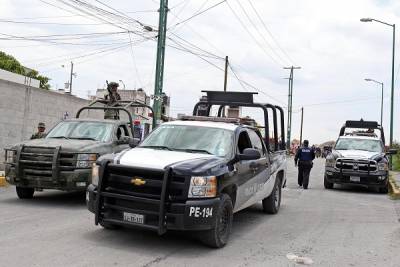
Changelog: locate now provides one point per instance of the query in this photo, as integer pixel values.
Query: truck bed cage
(245, 99)
(120, 105)
(361, 124)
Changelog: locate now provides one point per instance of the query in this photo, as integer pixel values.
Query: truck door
(262, 170)
(249, 173)
(121, 138)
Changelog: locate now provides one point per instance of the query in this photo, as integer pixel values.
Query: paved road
(341, 227)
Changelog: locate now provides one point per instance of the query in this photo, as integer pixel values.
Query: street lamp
(381, 83)
(392, 89)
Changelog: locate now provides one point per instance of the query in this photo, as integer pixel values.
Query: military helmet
(113, 84)
(41, 125)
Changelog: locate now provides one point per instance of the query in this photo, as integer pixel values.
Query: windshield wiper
(190, 150)
(158, 147)
(63, 137)
(84, 138)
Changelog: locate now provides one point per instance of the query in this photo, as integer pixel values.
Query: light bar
(214, 119)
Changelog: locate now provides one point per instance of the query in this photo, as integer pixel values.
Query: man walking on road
(41, 131)
(304, 160)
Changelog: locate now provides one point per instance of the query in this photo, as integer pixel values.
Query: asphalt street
(340, 227)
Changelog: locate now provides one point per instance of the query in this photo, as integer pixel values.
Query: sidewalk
(394, 184)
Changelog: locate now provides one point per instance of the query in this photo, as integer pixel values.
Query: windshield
(359, 144)
(191, 139)
(97, 131)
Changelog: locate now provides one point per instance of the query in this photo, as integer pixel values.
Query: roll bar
(124, 108)
(361, 124)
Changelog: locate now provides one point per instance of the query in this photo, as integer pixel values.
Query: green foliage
(9, 63)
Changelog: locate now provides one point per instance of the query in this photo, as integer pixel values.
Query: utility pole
(158, 88)
(70, 78)
(290, 104)
(225, 79)
(226, 72)
(301, 125)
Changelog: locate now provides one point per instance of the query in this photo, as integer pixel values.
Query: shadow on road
(51, 199)
(355, 189)
(146, 242)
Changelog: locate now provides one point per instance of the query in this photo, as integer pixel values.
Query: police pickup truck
(359, 158)
(63, 159)
(193, 174)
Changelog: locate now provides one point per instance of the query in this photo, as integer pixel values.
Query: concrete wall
(22, 107)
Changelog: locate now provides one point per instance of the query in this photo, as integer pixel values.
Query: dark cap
(41, 125)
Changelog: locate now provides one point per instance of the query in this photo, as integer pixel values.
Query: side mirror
(123, 140)
(249, 154)
(134, 142)
(391, 151)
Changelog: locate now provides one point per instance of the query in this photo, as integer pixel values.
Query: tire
(109, 226)
(272, 203)
(384, 190)
(25, 192)
(219, 236)
(327, 184)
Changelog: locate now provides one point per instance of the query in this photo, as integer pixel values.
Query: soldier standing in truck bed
(112, 97)
(41, 131)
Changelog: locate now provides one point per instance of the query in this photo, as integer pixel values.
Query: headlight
(383, 166)
(85, 160)
(203, 186)
(330, 163)
(11, 156)
(95, 174)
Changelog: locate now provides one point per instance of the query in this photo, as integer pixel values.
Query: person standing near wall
(41, 131)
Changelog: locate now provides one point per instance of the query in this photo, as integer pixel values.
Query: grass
(396, 162)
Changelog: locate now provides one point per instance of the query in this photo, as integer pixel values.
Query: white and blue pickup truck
(191, 174)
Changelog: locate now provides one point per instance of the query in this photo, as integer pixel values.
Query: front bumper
(375, 179)
(191, 215)
(75, 180)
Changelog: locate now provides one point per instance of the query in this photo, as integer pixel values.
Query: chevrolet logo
(138, 181)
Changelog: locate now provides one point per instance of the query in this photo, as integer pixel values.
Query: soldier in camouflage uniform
(41, 131)
(112, 97)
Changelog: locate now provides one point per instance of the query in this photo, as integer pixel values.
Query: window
(243, 142)
(256, 141)
(98, 131)
(193, 139)
(122, 132)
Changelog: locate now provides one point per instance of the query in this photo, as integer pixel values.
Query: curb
(3, 182)
(394, 189)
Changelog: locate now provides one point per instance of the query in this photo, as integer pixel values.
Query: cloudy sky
(326, 38)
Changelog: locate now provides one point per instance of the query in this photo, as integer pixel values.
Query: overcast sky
(326, 38)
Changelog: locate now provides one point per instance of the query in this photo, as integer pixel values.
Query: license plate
(134, 218)
(354, 179)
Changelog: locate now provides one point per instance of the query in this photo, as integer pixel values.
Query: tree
(9, 63)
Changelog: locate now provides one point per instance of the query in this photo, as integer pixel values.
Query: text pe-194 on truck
(359, 158)
(194, 173)
(63, 159)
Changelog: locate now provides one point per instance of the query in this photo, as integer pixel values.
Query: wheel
(384, 190)
(327, 184)
(25, 192)
(109, 226)
(272, 203)
(218, 237)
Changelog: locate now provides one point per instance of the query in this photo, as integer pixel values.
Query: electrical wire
(270, 33)
(252, 36)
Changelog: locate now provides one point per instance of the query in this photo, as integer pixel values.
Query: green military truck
(63, 159)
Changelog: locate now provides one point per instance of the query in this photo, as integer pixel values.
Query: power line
(260, 34)
(197, 14)
(252, 36)
(270, 33)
